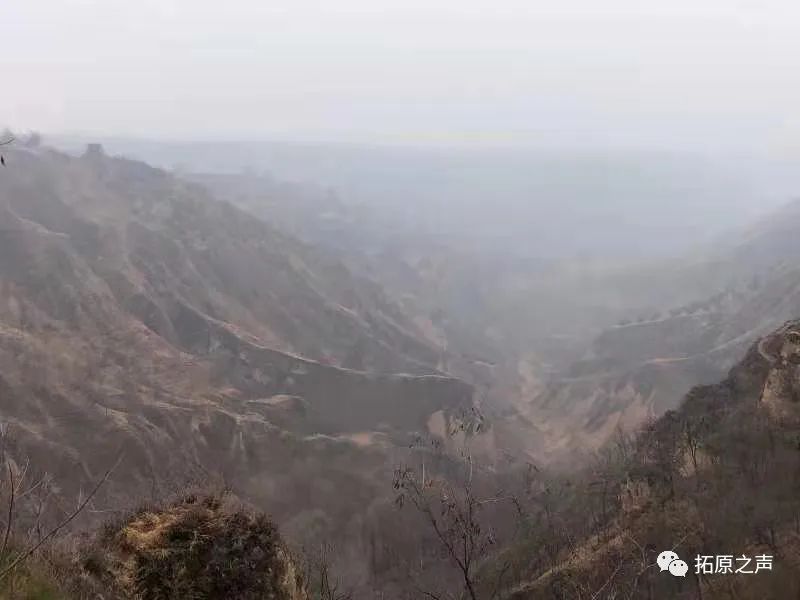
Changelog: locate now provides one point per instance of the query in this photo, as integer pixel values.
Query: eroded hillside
(139, 318)
(644, 365)
(717, 476)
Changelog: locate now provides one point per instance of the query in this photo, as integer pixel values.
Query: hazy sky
(674, 73)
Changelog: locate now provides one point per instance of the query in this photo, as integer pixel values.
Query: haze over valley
(373, 301)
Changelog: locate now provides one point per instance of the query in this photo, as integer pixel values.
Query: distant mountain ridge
(523, 199)
(643, 367)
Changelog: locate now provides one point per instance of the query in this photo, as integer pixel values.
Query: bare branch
(611, 577)
(26, 553)
(10, 516)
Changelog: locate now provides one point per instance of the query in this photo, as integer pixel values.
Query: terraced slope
(139, 317)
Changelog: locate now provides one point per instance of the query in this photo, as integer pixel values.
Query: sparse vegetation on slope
(140, 316)
(718, 476)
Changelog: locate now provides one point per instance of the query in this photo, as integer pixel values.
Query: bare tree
(455, 516)
(691, 440)
(18, 489)
(324, 585)
(9, 139)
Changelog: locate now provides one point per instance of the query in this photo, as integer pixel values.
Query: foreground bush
(191, 549)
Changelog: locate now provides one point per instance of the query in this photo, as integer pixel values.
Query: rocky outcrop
(715, 476)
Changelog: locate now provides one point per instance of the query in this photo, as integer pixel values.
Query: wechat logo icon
(669, 561)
